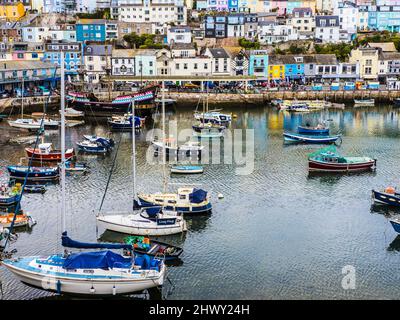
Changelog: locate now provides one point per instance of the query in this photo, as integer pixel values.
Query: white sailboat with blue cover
(87, 273)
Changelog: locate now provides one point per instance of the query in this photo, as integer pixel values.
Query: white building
(96, 61)
(179, 35)
(157, 11)
(327, 29)
(271, 32)
(303, 22)
(32, 33)
(123, 62)
(221, 61)
(348, 16)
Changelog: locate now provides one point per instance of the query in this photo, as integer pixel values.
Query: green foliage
(144, 41)
(99, 14)
(383, 36)
(248, 44)
(293, 49)
(341, 50)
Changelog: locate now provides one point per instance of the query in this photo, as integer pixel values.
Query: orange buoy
(390, 190)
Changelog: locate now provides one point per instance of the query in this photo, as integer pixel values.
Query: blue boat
(34, 174)
(303, 138)
(389, 197)
(94, 144)
(10, 195)
(121, 123)
(395, 222)
(318, 130)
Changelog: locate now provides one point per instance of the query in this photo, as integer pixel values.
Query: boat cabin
(45, 148)
(330, 157)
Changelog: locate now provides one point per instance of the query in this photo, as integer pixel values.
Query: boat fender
(114, 290)
(220, 196)
(92, 290)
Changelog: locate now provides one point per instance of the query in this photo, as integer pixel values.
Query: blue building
(233, 5)
(293, 66)
(72, 55)
(258, 63)
(91, 30)
(384, 17)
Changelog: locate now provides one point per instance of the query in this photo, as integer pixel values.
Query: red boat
(327, 160)
(46, 153)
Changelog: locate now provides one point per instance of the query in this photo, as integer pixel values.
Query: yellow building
(367, 57)
(276, 72)
(13, 11)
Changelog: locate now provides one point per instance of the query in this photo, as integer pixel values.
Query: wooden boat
(328, 160)
(143, 245)
(46, 153)
(35, 173)
(21, 220)
(364, 102)
(303, 138)
(89, 103)
(319, 129)
(389, 196)
(187, 169)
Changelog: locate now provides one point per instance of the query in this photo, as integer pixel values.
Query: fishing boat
(95, 273)
(364, 102)
(320, 129)
(45, 152)
(34, 173)
(148, 221)
(389, 196)
(171, 144)
(121, 123)
(89, 103)
(328, 160)
(21, 220)
(395, 222)
(187, 200)
(9, 195)
(186, 169)
(214, 117)
(303, 138)
(144, 245)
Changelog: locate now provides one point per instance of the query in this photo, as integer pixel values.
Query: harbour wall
(36, 104)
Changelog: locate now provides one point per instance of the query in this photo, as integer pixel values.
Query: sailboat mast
(63, 142)
(22, 98)
(164, 136)
(133, 149)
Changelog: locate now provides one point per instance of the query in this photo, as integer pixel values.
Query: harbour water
(278, 233)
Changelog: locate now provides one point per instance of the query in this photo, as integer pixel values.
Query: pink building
(279, 5)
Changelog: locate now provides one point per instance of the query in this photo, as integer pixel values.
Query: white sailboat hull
(86, 286)
(132, 224)
(24, 125)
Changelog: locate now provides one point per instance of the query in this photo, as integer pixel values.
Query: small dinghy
(320, 129)
(303, 138)
(144, 245)
(35, 188)
(122, 123)
(364, 102)
(389, 196)
(186, 169)
(328, 160)
(72, 113)
(75, 167)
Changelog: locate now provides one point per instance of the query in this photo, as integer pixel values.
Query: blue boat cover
(68, 242)
(198, 196)
(104, 142)
(96, 260)
(137, 121)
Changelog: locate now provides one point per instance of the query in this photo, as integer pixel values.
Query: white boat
(153, 222)
(213, 117)
(72, 113)
(186, 169)
(95, 273)
(364, 102)
(171, 145)
(29, 124)
(142, 224)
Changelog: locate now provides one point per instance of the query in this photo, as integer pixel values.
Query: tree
(248, 44)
